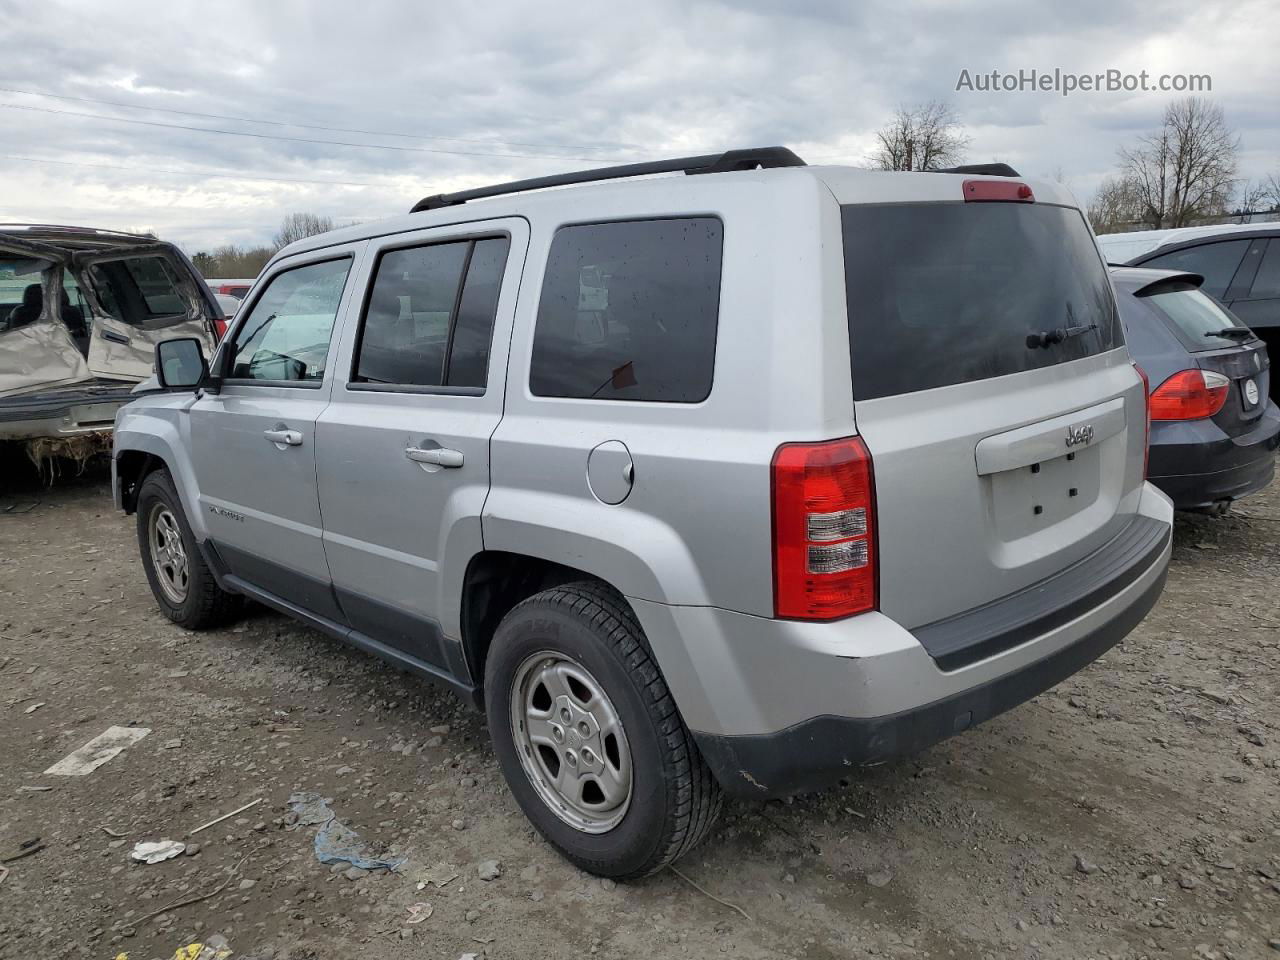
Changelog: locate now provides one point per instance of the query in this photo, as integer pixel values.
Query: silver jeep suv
(727, 481)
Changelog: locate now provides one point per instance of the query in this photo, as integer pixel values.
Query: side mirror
(180, 363)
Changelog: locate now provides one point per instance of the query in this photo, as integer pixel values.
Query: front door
(254, 443)
(403, 447)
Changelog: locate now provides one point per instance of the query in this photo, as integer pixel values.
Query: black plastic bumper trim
(816, 753)
(1003, 624)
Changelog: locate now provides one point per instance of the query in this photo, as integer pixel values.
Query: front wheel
(588, 736)
(183, 584)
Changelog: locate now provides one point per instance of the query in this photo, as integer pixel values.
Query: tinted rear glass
(947, 293)
(629, 311)
(1196, 316)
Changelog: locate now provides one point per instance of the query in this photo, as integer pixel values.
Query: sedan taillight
(1189, 395)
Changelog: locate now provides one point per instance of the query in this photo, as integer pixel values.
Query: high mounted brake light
(997, 191)
(824, 530)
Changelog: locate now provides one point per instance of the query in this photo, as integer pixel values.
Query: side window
(629, 311)
(139, 289)
(1266, 284)
(1216, 262)
(429, 318)
(286, 335)
(21, 291)
(473, 329)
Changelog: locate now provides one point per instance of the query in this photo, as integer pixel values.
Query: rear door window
(429, 319)
(629, 311)
(1266, 283)
(1216, 262)
(948, 293)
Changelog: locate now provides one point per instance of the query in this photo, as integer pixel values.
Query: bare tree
(1268, 198)
(1254, 198)
(1185, 171)
(927, 136)
(297, 226)
(1116, 206)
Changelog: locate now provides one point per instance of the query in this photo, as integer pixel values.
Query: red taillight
(997, 191)
(1189, 395)
(220, 326)
(824, 530)
(1146, 419)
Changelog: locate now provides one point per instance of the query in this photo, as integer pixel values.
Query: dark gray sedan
(1214, 431)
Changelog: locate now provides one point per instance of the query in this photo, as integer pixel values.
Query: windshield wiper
(1047, 338)
(1244, 333)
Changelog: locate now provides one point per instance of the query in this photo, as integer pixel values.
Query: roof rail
(763, 157)
(983, 169)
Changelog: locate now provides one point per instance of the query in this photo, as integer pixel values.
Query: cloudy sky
(356, 110)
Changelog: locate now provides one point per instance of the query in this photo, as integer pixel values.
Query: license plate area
(91, 416)
(1028, 499)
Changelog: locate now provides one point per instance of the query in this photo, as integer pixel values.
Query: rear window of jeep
(947, 293)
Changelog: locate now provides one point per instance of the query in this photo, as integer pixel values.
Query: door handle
(440, 456)
(291, 437)
(115, 337)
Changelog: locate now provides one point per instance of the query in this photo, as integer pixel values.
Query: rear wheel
(182, 583)
(588, 736)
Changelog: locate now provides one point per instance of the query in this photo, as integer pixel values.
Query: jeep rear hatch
(1004, 418)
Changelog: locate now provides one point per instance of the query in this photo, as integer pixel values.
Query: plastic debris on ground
(97, 751)
(215, 948)
(335, 841)
(440, 874)
(154, 852)
(419, 912)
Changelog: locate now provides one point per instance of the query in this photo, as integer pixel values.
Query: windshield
(1198, 316)
(947, 293)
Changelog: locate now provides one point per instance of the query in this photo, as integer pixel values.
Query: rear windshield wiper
(1244, 333)
(1047, 338)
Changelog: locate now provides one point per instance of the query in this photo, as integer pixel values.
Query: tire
(193, 599)
(585, 632)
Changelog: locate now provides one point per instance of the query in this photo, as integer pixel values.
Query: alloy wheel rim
(571, 742)
(168, 554)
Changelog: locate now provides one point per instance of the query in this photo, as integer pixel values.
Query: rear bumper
(1197, 465)
(780, 707)
(63, 413)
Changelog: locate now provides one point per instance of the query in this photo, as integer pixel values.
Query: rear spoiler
(1161, 284)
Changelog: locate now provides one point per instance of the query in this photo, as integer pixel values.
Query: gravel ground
(1134, 811)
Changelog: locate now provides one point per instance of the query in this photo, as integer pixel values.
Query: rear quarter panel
(697, 526)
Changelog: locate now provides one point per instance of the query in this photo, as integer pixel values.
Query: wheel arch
(495, 582)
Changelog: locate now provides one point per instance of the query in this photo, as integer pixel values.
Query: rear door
(1255, 299)
(1004, 417)
(141, 298)
(403, 448)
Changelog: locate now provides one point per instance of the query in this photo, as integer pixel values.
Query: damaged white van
(81, 311)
